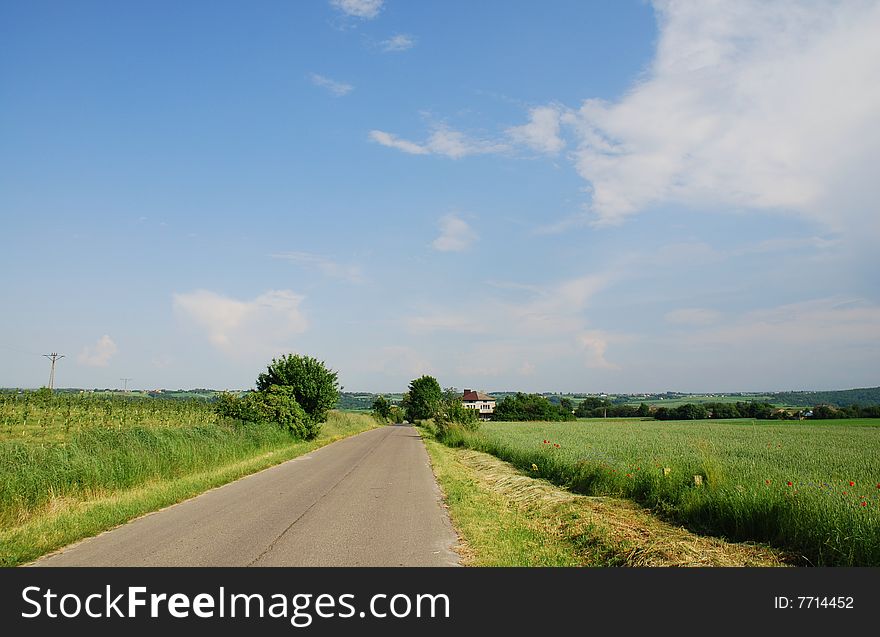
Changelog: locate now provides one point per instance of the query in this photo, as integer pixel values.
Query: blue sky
(571, 196)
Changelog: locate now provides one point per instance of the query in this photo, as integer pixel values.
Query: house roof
(475, 395)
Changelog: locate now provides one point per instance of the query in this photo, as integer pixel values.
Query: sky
(567, 196)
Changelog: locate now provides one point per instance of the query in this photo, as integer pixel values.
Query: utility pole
(125, 386)
(53, 357)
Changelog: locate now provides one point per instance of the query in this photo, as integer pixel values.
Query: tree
(690, 411)
(314, 386)
(529, 407)
(382, 408)
(422, 401)
(644, 410)
(591, 407)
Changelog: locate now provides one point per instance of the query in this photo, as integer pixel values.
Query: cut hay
(625, 533)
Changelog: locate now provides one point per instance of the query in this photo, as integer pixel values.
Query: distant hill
(362, 401)
(865, 397)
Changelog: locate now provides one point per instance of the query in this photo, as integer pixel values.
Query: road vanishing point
(367, 500)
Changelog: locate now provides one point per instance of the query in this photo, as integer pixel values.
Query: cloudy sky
(572, 196)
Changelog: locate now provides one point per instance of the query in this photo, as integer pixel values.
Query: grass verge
(64, 518)
(508, 518)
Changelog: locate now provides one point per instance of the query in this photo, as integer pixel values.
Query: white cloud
(594, 344)
(557, 310)
(762, 105)
(327, 266)
(443, 141)
(813, 326)
(456, 235)
(692, 316)
(366, 9)
(399, 42)
(392, 141)
(545, 326)
(443, 322)
(541, 133)
(339, 89)
(99, 354)
(397, 360)
(259, 326)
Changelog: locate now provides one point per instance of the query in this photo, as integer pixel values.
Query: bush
(313, 385)
(453, 414)
(278, 404)
(397, 415)
(275, 405)
(236, 408)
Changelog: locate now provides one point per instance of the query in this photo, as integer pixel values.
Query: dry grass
(618, 531)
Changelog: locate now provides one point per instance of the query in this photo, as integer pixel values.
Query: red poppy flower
(844, 493)
(851, 483)
(789, 483)
(864, 504)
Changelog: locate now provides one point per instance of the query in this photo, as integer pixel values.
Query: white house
(484, 404)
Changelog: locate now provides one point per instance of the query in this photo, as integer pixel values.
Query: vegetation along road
(368, 500)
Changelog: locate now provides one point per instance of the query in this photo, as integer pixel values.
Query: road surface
(367, 500)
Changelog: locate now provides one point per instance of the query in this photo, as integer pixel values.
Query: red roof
(476, 395)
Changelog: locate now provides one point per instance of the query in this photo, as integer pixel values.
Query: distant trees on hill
(690, 411)
(827, 412)
(866, 397)
(594, 407)
(761, 411)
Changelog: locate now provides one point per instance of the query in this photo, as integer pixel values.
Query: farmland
(72, 466)
(811, 489)
(36, 417)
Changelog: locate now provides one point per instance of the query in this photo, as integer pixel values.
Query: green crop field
(699, 399)
(812, 489)
(35, 417)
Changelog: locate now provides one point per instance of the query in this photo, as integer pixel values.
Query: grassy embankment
(506, 517)
(784, 483)
(57, 488)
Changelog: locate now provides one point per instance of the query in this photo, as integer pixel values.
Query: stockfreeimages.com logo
(300, 609)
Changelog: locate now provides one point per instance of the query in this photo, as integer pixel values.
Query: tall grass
(745, 470)
(102, 460)
(97, 459)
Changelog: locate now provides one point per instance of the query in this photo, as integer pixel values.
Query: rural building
(484, 404)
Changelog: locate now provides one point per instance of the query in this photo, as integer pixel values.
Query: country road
(368, 500)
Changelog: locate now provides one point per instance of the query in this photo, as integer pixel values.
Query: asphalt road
(367, 500)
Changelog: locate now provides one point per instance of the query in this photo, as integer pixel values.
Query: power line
(53, 357)
(125, 386)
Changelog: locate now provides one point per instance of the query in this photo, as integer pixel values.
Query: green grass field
(699, 399)
(805, 487)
